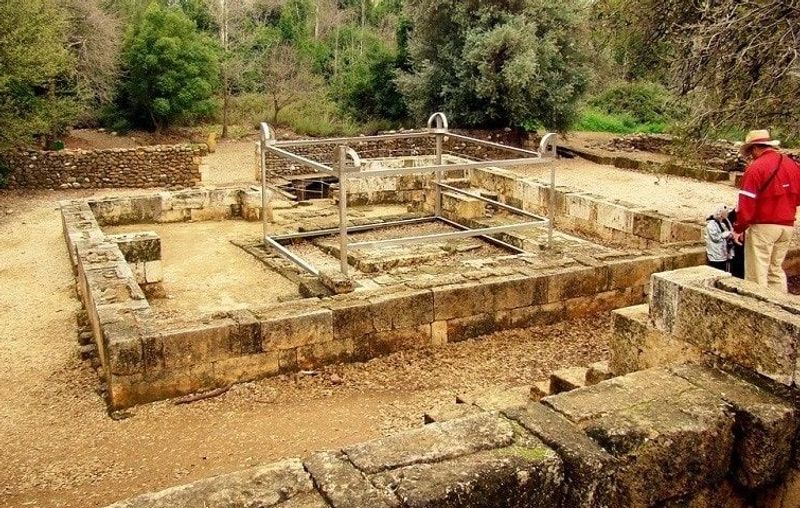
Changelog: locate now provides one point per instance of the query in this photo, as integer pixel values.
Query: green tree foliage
(499, 63)
(644, 101)
(172, 70)
(35, 71)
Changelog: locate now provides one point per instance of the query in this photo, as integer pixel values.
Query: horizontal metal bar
(446, 236)
(491, 201)
(351, 229)
(299, 158)
(489, 239)
(291, 256)
(446, 167)
(357, 139)
(491, 144)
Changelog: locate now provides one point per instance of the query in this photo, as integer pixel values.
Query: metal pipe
(446, 236)
(291, 256)
(449, 167)
(439, 143)
(342, 161)
(302, 160)
(491, 144)
(486, 238)
(358, 139)
(492, 202)
(352, 229)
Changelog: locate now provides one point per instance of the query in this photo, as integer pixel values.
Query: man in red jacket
(767, 207)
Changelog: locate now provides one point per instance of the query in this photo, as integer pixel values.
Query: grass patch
(594, 120)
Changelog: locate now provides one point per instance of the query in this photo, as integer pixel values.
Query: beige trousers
(766, 246)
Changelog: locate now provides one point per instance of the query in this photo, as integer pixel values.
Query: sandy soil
(204, 272)
(232, 162)
(60, 449)
(679, 197)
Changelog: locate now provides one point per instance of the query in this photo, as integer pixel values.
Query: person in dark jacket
(736, 264)
(768, 203)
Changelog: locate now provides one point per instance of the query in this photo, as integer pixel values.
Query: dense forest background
(325, 67)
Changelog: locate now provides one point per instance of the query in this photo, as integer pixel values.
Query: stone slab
(343, 485)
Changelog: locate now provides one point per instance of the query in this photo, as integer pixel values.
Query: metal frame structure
(348, 166)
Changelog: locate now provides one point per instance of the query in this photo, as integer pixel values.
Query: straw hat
(758, 137)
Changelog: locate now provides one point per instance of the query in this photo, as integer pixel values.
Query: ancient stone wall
(150, 166)
(610, 220)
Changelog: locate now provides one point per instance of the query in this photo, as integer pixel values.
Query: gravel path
(60, 449)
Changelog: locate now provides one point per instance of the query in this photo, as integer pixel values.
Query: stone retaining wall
(610, 220)
(149, 166)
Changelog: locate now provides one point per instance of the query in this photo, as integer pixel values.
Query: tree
(34, 67)
(496, 63)
(287, 78)
(172, 70)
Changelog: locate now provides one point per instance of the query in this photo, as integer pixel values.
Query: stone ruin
(716, 427)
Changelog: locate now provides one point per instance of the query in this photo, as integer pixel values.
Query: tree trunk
(275, 113)
(226, 95)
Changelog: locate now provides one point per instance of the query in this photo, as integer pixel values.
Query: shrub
(594, 120)
(643, 101)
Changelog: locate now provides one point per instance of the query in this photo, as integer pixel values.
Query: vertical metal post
(341, 157)
(264, 203)
(551, 215)
(439, 142)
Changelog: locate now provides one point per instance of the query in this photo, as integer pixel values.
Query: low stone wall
(614, 221)
(150, 166)
(678, 436)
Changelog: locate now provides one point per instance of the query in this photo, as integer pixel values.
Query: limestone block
(398, 339)
(439, 333)
(153, 272)
(295, 324)
(245, 368)
(567, 379)
(461, 207)
(191, 199)
(210, 214)
(197, 343)
(337, 282)
(324, 353)
(433, 443)
(281, 484)
(513, 477)
(671, 447)
(516, 291)
(615, 216)
(460, 300)
(721, 495)
(765, 425)
(460, 329)
(343, 485)
(351, 317)
(665, 288)
(123, 349)
(582, 206)
(577, 308)
(498, 397)
(598, 372)
(636, 344)
(138, 247)
(449, 411)
(402, 309)
(127, 391)
(538, 315)
(588, 469)
(714, 321)
(245, 337)
(647, 225)
(785, 494)
(626, 273)
(576, 282)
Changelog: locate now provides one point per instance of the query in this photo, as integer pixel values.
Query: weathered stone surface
(637, 345)
(402, 309)
(765, 425)
(138, 247)
(722, 495)
(435, 442)
(540, 389)
(449, 411)
(576, 282)
(588, 468)
(665, 289)
(284, 484)
(515, 477)
(785, 494)
(617, 394)
(460, 300)
(344, 486)
(598, 372)
(197, 343)
(383, 343)
(351, 317)
(567, 379)
(671, 447)
(497, 398)
(740, 329)
(295, 324)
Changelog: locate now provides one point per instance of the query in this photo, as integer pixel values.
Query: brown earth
(61, 449)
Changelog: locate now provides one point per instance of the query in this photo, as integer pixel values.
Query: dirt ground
(205, 273)
(60, 448)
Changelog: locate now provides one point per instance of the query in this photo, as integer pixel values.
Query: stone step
(598, 372)
(568, 379)
(449, 411)
(497, 398)
(540, 389)
(85, 337)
